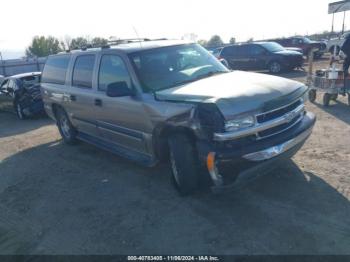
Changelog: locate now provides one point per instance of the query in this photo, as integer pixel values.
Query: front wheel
(327, 99)
(312, 95)
(184, 164)
(67, 131)
(275, 67)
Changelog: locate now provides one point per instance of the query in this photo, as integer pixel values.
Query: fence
(19, 66)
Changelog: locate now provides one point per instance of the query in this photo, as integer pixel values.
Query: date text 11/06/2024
(173, 258)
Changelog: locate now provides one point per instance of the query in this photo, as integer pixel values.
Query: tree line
(42, 46)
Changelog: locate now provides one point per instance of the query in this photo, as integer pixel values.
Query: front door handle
(98, 102)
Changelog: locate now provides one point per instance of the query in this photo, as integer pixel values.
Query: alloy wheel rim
(65, 127)
(275, 67)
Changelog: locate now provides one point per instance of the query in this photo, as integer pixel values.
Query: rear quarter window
(55, 69)
(228, 51)
(82, 72)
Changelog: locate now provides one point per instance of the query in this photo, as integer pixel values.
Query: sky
(242, 19)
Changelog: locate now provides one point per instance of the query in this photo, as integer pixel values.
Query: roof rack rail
(114, 43)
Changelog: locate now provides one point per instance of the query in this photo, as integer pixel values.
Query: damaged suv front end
(242, 123)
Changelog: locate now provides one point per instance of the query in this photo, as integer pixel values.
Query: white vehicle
(336, 43)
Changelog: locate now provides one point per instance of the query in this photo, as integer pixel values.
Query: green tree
(215, 41)
(203, 42)
(99, 41)
(43, 46)
(78, 43)
(232, 40)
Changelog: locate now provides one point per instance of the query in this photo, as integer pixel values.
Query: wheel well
(161, 142)
(55, 107)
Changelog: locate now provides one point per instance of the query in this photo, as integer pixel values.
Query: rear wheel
(327, 99)
(183, 163)
(19, 110)
(312, 95)
(67, 131)
(275, 67)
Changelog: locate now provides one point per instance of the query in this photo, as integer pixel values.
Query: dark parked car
(23, 92)
(173, 100)
(305, 44)
(261, 56)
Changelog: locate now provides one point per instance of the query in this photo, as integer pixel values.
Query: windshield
(273, 47)
(167, 67)
(307, 40)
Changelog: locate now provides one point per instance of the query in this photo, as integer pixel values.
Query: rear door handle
(73, 98)
(98, 102)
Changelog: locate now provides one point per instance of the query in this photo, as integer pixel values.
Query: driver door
(120, 120)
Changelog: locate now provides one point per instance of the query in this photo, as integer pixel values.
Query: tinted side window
(243, 50)
(82, 72)
(55, 69)
(256, 50)
(112, 70)
(231, 50)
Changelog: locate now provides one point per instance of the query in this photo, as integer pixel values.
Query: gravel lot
(57, 199)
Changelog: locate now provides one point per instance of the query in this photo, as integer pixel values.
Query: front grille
(278, 129)
(278, 113)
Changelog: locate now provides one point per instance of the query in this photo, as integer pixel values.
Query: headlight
(240, 123)
(305, 97)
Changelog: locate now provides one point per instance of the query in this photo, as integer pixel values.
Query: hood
(295, 49)
(237, 92)
(288, 52)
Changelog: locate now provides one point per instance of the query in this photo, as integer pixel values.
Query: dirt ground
(58, 199)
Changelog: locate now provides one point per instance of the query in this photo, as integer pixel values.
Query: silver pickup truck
(167, 100)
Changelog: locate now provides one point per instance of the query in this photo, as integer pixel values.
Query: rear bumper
(242, 163)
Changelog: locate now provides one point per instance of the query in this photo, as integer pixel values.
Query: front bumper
(244, 160)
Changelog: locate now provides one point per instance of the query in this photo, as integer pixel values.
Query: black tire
(275, 67)
(327, 99)
(183, 163)
(67, 131)
(349, 99)
(312, 95)
(19, 110)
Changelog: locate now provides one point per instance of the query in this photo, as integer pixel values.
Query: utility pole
(343, 23)
(2, 65)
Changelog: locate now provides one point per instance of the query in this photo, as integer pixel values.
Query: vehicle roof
(24, 75)
(136, 46)
(252, 43)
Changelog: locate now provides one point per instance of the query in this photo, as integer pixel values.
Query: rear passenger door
(257, 57)
(235, 56)
(120, 119)
(80, 96)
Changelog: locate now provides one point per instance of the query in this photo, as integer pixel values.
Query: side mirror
(119, 89)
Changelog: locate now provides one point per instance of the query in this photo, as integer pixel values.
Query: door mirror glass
(119, 89)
